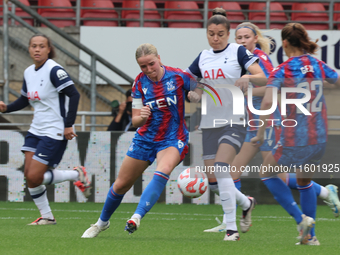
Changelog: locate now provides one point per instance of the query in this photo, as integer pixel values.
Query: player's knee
(121, 187)
(33, 178)
(25, 171)
(303, 181)
(262, 174)
(283, 177)
(166, 169)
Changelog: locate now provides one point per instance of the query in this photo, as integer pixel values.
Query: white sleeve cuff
(137, 103)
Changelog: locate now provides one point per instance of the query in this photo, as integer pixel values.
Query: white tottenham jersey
(42, 88)
(218, 68)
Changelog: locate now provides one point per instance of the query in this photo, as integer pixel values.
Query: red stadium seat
(67, 13)
(18, 12)
(177, 14)
(230, 15)
(308, 16)
(274, 16)
(134, 14)
(337, 15)
(88, 13)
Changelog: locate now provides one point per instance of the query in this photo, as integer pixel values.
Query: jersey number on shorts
(267, 138)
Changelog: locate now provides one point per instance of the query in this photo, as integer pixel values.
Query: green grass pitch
(166, 229)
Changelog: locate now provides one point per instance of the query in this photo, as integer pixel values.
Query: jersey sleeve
(276, 78)
(194, 67)
(74, 96)
(24, 88)
(136, 94)
(266, 64)
(245, 57)
(136, 90)
(60, 78)
(189, 81)
(330, 73)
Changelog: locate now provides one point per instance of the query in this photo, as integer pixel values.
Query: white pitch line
(99, 211)
(162, 219)
(184, 216)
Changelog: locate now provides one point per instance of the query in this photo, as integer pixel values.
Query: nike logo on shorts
(41, 155)
(233, 134)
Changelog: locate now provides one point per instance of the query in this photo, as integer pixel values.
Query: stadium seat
(230, 15)
(88, 13)
(274, 16)
(337, 15)
(177, 14)
(308, 16)
(134, 14)
(19, 12)
(67, 13)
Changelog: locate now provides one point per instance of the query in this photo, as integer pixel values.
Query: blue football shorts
(298, 155)
(46, 150)
(147, 150)
(271, 137)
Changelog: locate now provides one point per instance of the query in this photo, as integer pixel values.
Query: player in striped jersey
(50, 91)
(158, 110)
(222, 65)
(249, 35)
(303, 139)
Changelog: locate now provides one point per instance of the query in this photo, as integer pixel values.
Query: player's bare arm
(329, 85)
(3, 106)
(257, 75)
(140, 116)
(259, 92)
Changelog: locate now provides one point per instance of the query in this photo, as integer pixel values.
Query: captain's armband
(137, 103)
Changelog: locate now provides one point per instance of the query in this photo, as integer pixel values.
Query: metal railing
(83, 123)
(63, 34)
(90, 91)
(204, 11)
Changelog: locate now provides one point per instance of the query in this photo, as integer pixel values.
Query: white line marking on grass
(27, 218)
(99, 211)
(182, 216)
(157, 219)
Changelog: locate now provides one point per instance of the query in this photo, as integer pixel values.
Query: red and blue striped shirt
(267, 67)
(305, 72)
(166, 99)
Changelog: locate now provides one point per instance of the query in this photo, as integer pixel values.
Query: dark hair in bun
(219, 16)
(219, 11)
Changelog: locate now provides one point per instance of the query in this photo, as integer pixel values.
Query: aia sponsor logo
(33, 95)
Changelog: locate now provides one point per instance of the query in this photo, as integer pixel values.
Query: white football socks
(57, 176)
(323, 193)
(39, 196)
(228, 197)
(101, 223)
(242, 200)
